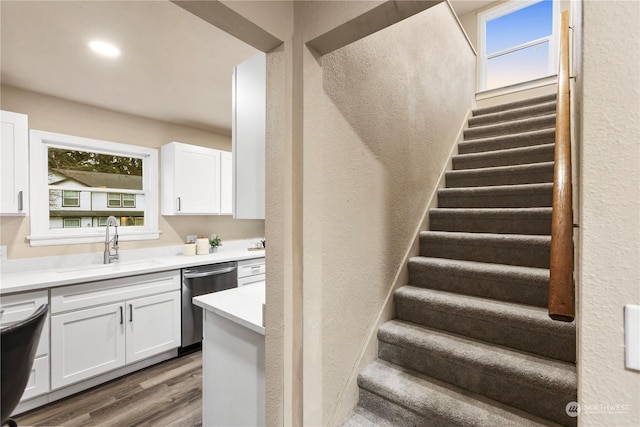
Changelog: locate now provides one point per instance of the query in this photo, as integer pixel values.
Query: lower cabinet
(16, 308)
(91, 341)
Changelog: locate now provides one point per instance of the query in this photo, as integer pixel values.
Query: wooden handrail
(561, 287)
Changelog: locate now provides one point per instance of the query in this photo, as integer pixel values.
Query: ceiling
(174, 66)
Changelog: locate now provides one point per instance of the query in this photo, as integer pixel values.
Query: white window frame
(505, 9)
(42, 234)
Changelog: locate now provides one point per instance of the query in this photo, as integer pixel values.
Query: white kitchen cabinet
(153, 325)
(14, 164)
(248, 137)
(101, 326)
(226, 183)
(19, 307)
(192, 180)
(86, 343)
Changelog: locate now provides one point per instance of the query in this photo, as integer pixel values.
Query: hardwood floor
(166, 394)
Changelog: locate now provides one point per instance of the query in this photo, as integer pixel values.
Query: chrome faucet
(108, 256)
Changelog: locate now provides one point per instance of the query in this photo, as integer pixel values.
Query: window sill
(532, 84)
(55, 239)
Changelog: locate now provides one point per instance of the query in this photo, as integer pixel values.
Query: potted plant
(215, 241)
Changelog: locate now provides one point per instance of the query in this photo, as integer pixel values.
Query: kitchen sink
(115, 266)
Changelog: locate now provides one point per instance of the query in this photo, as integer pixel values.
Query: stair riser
(528, 125)
(543, 198)
(396, 413)
(512, 105)
(525, 254)
(489, 327)
(506, 142)
(514, 114)
(544, 153)
(483, 177)
(519, 394)
(538, 224)
(532, 290)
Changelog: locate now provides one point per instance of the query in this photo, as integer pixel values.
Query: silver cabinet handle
(130, 312)
(20, 200)
(121, 316)
(178, 204)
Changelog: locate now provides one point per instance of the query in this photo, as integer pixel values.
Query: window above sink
(76, 183)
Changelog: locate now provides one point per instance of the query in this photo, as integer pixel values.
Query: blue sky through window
(508, 31)
(531, 23)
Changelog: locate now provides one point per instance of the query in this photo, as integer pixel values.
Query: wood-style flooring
(166, 394)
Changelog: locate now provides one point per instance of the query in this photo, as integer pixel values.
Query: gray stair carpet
(471, 343)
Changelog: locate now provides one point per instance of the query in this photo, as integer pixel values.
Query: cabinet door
(86, 343)
(14, 164)
(153, 325)
(226, 183)
(248, 137)
(190, 180)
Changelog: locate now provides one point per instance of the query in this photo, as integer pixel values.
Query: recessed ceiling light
(104, 48)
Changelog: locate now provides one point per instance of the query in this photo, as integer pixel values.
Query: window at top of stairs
(517, 43)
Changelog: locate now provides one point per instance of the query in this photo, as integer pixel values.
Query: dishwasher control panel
(251, 271)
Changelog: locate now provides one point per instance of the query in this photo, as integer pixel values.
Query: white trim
(41, 234)
(464, 32)
(506, 9)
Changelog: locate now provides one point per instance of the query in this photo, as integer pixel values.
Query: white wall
(609, 252)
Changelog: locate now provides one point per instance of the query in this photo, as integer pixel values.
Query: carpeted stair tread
(512, 126)
(513, 105)
(500, 175)
(517, 326)
(497, 196)
(360, 417)
(510, 283)
(534, 221)
(513, 114)
(412, 399)
(510, 156)
(534, 384)
(521, 139)
(510, 249)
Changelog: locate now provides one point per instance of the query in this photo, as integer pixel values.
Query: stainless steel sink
(115, 266)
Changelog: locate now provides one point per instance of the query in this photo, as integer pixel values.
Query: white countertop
(34, 279)
(242, 305)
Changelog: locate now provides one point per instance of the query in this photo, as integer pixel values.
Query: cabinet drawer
(20, 306)
(251, 267)
(39, 379)
(115, 290)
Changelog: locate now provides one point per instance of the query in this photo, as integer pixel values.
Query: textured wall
(610, 210)
(56, 115)
(380, 118)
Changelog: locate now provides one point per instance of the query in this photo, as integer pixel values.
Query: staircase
(472, 344)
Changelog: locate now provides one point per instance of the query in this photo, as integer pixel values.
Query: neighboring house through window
(79, 182)
(517, 43)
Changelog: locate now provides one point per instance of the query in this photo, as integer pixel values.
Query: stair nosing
(456, 395)
(485, 355)
(492, 310)
(540, 109)
(504, 152)
(513, 123)
(498, 169)
(516, 104)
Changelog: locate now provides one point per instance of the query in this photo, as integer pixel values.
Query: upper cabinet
(248, 134)
(14, 164)
(195, 180)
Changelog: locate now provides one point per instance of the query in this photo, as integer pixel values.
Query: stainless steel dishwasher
(199, 281)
